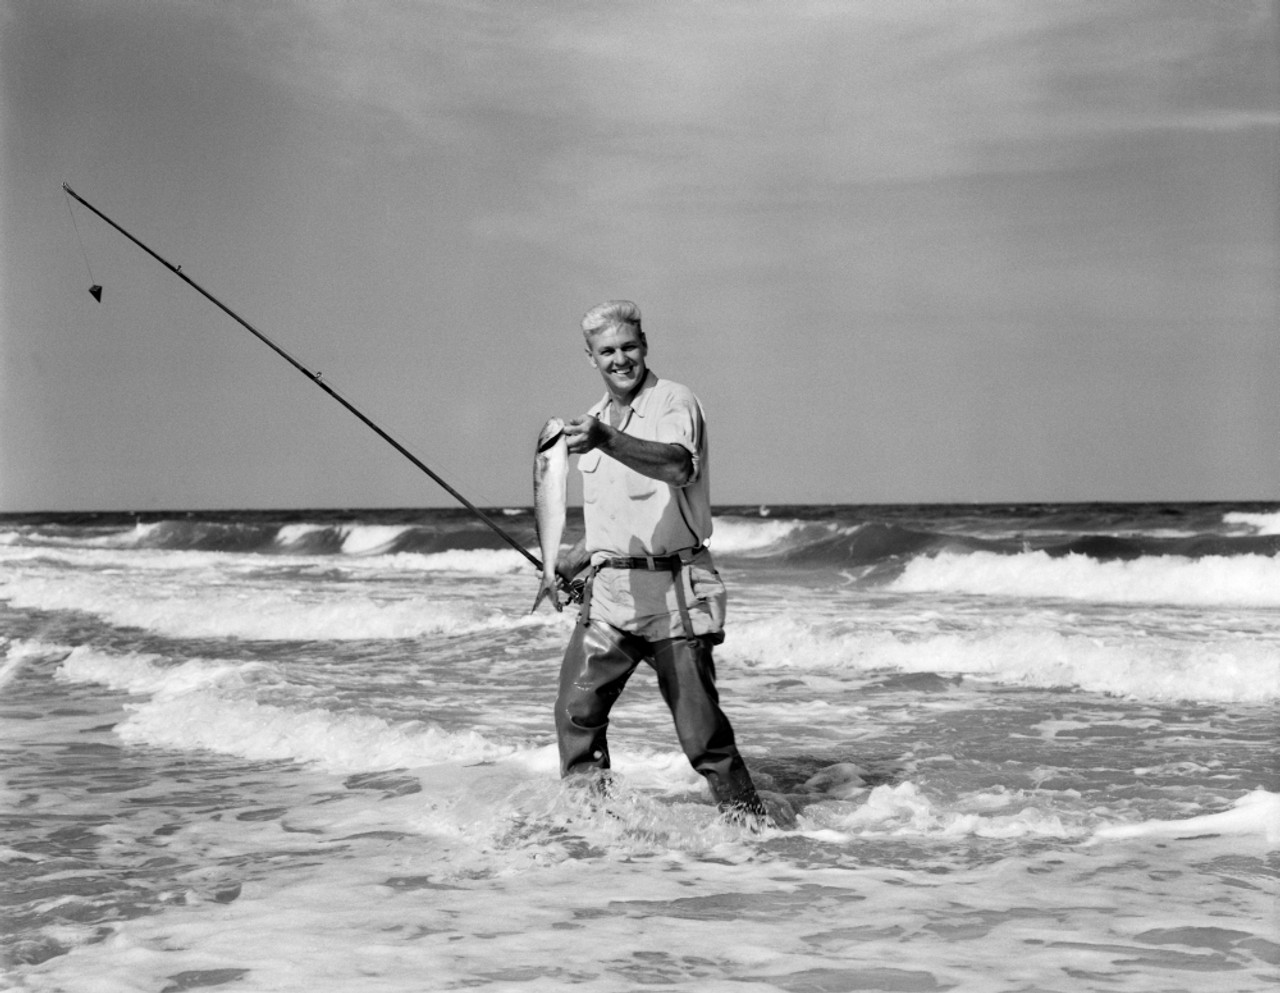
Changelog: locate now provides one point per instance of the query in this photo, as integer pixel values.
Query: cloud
(953, 194)
(741, 101)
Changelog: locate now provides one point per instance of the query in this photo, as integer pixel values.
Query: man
(652, 592)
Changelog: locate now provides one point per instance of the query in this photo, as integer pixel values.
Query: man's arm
(667, 463)
(573, 560)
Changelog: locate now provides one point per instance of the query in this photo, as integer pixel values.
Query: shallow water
(307, 754)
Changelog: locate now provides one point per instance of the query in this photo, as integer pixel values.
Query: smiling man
(652, 593)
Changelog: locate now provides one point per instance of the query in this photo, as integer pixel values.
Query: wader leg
(596, 667)
(687, 679)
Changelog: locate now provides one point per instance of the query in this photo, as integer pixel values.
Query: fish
(550, 496)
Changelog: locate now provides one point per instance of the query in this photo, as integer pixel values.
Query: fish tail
(550, 434)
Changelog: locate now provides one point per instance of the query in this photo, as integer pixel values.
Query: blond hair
(609, 315)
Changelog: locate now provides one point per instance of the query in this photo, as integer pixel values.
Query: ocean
(1030, 748)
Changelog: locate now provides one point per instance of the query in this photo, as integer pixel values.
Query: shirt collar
(640, 405)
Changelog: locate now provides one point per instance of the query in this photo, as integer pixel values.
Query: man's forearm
(572, 561)
(668, 463)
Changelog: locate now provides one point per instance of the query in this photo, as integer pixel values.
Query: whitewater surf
(1029, 747)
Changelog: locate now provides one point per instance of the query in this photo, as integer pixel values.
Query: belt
(651, 563)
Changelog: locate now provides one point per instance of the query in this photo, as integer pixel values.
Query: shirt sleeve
(680, 422)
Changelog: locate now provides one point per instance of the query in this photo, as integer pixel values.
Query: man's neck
(621, 402)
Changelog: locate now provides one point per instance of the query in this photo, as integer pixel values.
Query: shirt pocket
(588, 465)
(639, 486)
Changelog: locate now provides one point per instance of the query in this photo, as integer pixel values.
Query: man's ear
(591, 358)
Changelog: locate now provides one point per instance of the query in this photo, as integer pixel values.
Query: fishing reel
(574, 590)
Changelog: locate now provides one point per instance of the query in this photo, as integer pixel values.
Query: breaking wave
(215, 705)
(1158, 669)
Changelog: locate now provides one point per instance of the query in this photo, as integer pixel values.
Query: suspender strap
(584, 612)
(677, 577)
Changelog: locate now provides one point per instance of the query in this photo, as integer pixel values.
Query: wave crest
(1246, 580)
(214, 705)
(1226, 670)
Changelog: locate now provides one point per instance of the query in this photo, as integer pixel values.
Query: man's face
(619, 353)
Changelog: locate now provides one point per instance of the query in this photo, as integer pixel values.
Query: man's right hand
(583, 434)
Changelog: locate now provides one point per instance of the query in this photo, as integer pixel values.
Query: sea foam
(18, 653)
(214, 705)
(1228, 670)
(1261, 523)
(1256, 814)
(905, 810)
(269, 614)
(1248, 580)
(472, 561)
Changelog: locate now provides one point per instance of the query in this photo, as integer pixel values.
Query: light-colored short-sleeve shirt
(629, 514)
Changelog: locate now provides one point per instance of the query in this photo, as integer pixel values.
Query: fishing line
(314, 377)
(94, 288)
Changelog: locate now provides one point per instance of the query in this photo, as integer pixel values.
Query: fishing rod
(315, 378)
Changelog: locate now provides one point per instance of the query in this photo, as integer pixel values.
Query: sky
(902, 250)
